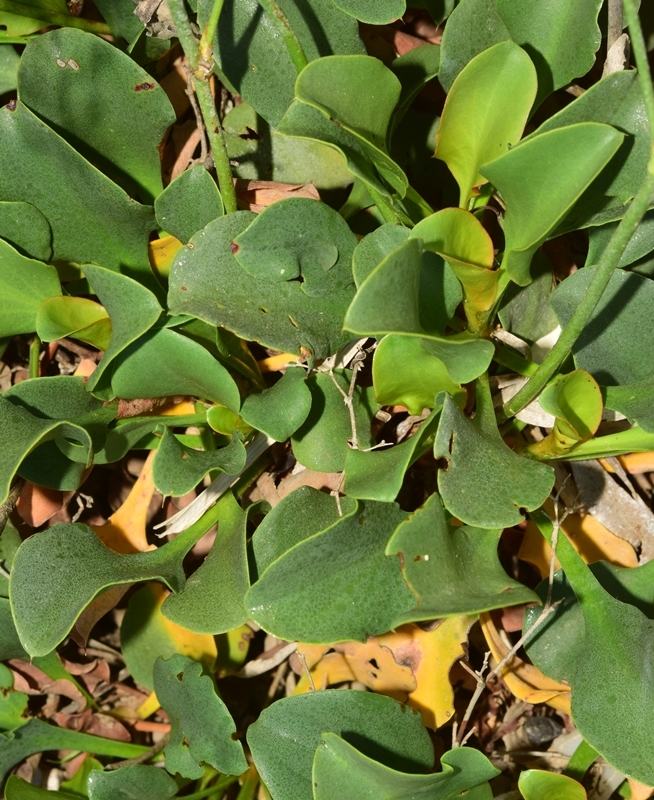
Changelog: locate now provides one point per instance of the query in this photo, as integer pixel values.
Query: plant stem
(217, 789)
(54, 17)
(642, 64)
(201, 67)
(249, 785)
(287, 33)
(386, 209)
(209, 32)
(35, 352)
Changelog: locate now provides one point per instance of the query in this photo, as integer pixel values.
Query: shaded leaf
(12, 704)
(26, 229)
(208, 282)
(19, 25)
(374, 12)
(526, 311)
(640, 244)
(451, 570)
(285, 737)
(202, 727)
(634, 400)
(340, 770)
(280, 410)
(374, 248)
(18, 789)
(189, 203)
(485, 112)
(58, 317)
(120, 16)
(135, 782)
(114, 114)
(485, 483)
(336, 584)
(9, 61)
(541, 179)
(414, 69)
(536, 784)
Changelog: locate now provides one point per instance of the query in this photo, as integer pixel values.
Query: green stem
(582, 314)
(35, 352)
(54, 17)
(209, 32)
(642, 63)
(201, 72)
(633, 440)
(386, 209)
(287, 33)
(218, 787)
(249, 785)
(516, 363)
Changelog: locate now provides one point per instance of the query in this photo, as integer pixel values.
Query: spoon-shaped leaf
(134, 782)
(188, 203)
(77, 317)
(536, 784)
(280, 410)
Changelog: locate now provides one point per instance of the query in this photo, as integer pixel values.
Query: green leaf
(379, 474)
(188, 204)
(120, 17)
(485, 112)
(335, 585)
(177, 469)
(413, 70)
(321, 442)
(541, 179)
(473, 26)
(561, 39)
(9, 60)
(114, 113)
(526, 311)
(46, 602)
(91, 218)
(451, 570)
(634, 400)
(374, 248)
(77, 317)
(340, 770)
(641, 243)
(404, 373)
(213, 599)
(19, 25)
(280, 410)
(485, 484)
(12, 704)
(285, 737)
(202, 727)
(134, 782)
(37, 736)
(163, 363)
(132, 309)
(298, 516)
(10, 541)
(18, 789)
(247, 37)
(374, 12)
(24, 285)
(388, 301)
(208, 283)
(617, 344)
(26, 229)
(536, 784)
(301, 239)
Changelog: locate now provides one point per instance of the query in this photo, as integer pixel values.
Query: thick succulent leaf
(616, 100)
(18, 789)
(374, 12)
(280, 410)
(561, 39)
(133, 309)
(413, 70)
(120, 17)
(37, 736)
(163, 363)
(9, 60)
(26, 229)
(340, 770)
(404, 373)
(213, 599)
(285, 737)
(77, 317)
(208, 282)
(321, 442)
(24, 285)
(388, 301)
(485, 112)
(135, 782)
(526, 311)
(485, 483)
(189, 203)
(301, 239)
(537, 784)
(248, 37)
(337, 584)
(640, 244)
(374, 247)
(379, 474)
(541, 179)
(634, 400)
(618, 648)
(617, 344)
(202, 727)
(451, 570)
(100, 101)
(13, 704)
(91, 218)
(177, 469)
(46, 602)
(126, 433)
(473, 26)
(19, 25)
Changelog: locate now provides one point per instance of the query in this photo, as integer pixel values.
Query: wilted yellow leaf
(525, 681)
(638, 790)
(162, 253)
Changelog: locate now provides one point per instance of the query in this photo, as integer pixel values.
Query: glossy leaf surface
(188, 203)
(202, 727)
(451, 570)
(485, 112)
(285, 737)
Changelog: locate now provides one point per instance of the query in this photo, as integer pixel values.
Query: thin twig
(303, 661)
(10, 503)
(190, 93)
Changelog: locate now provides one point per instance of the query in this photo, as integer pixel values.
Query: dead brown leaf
(257, 195)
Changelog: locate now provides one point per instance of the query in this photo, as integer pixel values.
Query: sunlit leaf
(280, 410)
(135, 782)
(76, 317)
(188, 203)
(536, 784)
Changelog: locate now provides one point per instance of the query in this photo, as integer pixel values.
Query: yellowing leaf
(525, 681)
(639, 791)
(162, 253)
